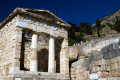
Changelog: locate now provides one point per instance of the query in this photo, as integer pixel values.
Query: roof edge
(20, 10)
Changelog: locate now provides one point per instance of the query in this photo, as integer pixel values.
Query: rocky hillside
(111, 18)
(108, 24)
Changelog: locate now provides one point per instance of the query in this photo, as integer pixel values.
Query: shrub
(71, 42)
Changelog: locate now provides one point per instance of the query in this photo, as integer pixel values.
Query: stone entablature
(21, 44)
(40, 26)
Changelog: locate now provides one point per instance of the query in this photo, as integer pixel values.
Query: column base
(33, 65)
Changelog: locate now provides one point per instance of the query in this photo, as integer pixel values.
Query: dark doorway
(43, 60)
(22, 51)
(58, 43)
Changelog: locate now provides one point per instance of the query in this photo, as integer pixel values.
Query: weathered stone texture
(91, 46)
(105, 64)
(27, 75)
(25, 46)
(9, 48)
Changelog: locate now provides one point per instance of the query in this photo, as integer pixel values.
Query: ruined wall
(91, 46)
(9, 45)
(105, 65)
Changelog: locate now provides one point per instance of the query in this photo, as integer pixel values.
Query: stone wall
(104, 65)
(9, 48)
(91, 46)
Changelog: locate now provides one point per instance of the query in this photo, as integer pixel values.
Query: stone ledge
(30, 75)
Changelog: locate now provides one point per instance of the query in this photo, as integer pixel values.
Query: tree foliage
(76, 33)
(117, 25)
(98, 27)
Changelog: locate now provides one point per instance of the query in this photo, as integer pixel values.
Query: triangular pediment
(44, 13)
(36, 13)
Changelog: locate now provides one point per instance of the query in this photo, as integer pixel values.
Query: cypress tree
(98, 26)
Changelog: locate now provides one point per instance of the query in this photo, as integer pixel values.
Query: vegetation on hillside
(86, 32)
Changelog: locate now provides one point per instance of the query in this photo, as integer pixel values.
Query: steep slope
(111, 18)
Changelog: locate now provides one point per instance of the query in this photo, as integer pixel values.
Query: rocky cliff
(111, 18)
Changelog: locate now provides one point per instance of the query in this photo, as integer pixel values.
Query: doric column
(51, 63)
(64, 57)
(33, 61)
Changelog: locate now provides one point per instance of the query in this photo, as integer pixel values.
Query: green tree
(98, 27)
(88, 29)
(81, 36)
(71, 42)
(117, 25)
(56, 13)
(71, 30)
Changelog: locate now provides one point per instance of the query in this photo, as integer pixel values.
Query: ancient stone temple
(33, 46)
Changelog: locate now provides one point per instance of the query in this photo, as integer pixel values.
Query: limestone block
(98, 68)
(72, 69)
(15, 63)
(102, 74)
(111, 47)
(104, 50)
(13, 69)
(118, 58)
(17, 78)
(113, 78)
(45, 73)
(102, 79)
(106, 55)
(108, 68)
(96, 56)
(103, 61)
(103, 68)
(112, 66)
(107, 62)
(91, 58)
(105, 74)
(116, 65)
(19, 72)
(31, 72)
(94, 69)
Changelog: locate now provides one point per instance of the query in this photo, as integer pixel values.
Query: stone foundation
(29, 75)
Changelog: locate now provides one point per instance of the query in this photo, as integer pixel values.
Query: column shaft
(33, 61)
(51, 63)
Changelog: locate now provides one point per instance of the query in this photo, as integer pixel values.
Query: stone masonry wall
(91, 46)
(8, 47)
(105, 64)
